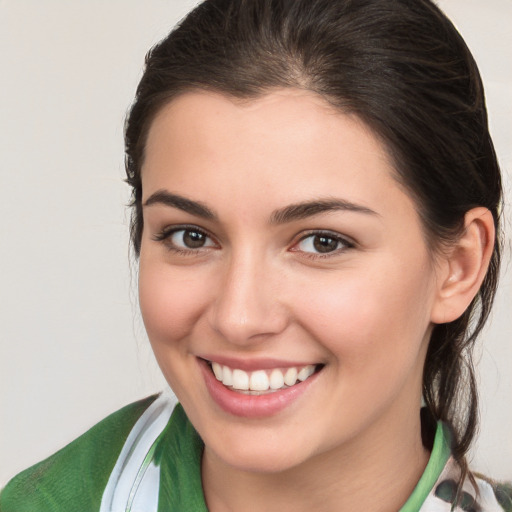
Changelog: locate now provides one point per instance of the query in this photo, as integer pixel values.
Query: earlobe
(464, 266)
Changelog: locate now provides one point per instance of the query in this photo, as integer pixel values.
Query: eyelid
(166, 233)
(348, 243)
(173, 228)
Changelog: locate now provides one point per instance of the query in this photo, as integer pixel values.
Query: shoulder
(74, 478)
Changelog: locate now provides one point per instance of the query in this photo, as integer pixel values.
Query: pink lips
(251, 406)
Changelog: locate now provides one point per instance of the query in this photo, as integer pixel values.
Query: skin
(257, 289)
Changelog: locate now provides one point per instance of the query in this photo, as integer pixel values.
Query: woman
(316, 215)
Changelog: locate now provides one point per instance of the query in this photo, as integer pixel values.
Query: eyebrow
(289, 213)
(181, 203)
(300, 211)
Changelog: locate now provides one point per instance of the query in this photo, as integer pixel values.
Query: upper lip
(255, 363)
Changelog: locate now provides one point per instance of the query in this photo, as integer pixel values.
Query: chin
(253, 459)
(263, 450)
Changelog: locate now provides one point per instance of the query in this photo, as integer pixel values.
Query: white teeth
(306, 372)
(259, 381)
(290, 377)
(217, 370)
(240, 380)
(276, 379)
(227, 376)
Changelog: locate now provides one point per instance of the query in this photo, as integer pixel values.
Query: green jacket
(146, 457)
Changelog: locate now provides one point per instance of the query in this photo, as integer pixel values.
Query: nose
(247, 307)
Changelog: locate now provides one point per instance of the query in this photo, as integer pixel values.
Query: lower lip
(251, 406)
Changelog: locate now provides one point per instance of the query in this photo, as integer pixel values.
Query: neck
(366, 473)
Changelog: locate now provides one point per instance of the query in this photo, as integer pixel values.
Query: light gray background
(73, 347)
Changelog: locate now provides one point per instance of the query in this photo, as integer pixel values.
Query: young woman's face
(277, 243)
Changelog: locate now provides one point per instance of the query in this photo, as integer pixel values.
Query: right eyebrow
(181, 203)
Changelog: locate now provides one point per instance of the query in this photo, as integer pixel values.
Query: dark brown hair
(402, 67)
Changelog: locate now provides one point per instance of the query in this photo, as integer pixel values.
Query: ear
(463, 266)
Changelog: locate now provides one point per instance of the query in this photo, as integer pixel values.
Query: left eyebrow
(300, 211)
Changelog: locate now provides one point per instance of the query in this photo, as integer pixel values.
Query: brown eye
(322, 243)
(187, 239)
(193, 239)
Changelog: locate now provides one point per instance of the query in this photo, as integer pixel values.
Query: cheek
(170, 302)
(370, 319)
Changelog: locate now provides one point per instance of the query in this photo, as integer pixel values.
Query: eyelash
(165, 235)
(336, 237)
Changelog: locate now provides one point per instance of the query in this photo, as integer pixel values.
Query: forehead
(283, 146)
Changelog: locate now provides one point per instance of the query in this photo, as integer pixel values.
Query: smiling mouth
(262, 381)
